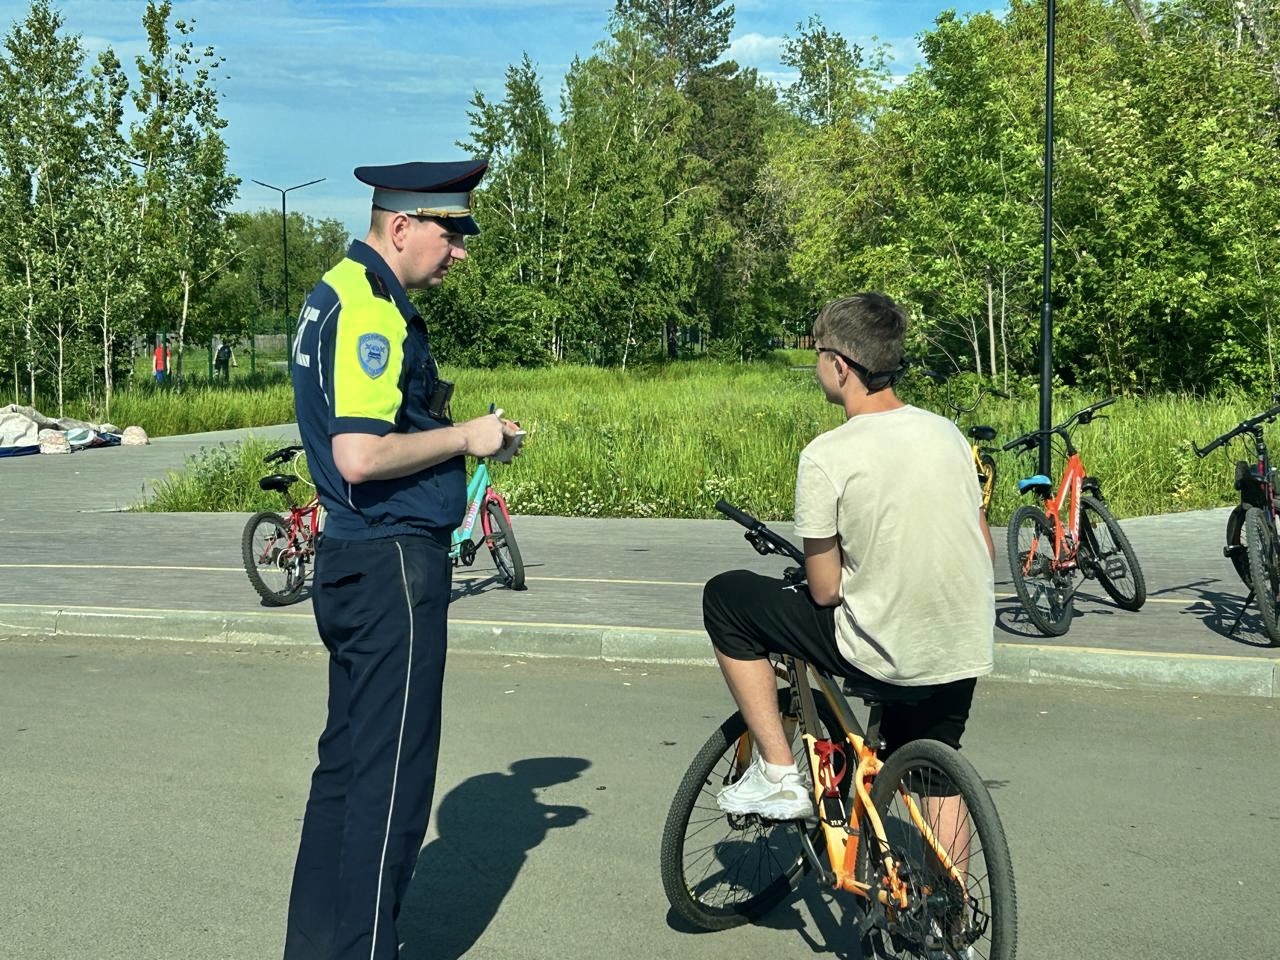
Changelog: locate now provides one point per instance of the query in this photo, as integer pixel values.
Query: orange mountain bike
(1048, 556)
(915, 838)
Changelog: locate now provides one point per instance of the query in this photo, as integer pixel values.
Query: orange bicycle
(915, 838)
(1048, 556)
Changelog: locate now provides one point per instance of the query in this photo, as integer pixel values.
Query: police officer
(388, 465)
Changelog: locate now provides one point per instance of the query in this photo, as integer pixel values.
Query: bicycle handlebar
(983, 390)
(284, 453)
(1245, 426)
(759, 535)
(1033, 438)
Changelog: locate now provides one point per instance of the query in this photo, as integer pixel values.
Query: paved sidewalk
(73, 560)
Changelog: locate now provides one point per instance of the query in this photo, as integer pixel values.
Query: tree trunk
(991, 327)
(106, 348)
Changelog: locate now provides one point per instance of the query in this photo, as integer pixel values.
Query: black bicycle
(1253, 546)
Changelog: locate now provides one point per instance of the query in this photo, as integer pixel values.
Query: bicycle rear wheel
(947, 917)
(987, 479)
(277, 571)
(1236, 550)
(1116, 565)
(1264, 568)
(720, 870)
(1046, 591)
(502, 544)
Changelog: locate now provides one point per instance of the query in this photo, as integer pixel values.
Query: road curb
(1027, 663)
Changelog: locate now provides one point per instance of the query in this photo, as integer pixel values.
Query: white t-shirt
(900, 490)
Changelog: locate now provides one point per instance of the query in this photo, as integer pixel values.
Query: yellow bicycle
(983, 458)
(915, 838)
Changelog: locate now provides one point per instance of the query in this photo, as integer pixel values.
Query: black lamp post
(1046, 303)
(284, 240)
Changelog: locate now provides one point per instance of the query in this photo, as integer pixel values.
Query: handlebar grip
(1203, 452)
(1027, 440)
(284, 453)
(733, 513)
(1104, 403)
(999, 393)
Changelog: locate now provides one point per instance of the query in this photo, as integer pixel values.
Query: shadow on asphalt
(487, 825)
(1220, 611)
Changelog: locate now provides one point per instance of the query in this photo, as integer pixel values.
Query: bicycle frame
(480, 491)
(1066, 536)
(842, 841)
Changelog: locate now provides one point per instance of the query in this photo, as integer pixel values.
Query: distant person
(224, 360)
(388, 464)
(878, 606)
(162, 357)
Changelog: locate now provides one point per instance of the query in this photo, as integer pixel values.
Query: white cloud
(755, 49)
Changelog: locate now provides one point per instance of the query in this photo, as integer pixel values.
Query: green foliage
(668, 440)
(224, 478)
(110, 233)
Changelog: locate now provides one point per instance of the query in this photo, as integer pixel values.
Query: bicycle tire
(1108, 572)
(757, 840)
(941, 920)
(277, 584)
(1236, 548)
(502, 544)
(1260, 539)
(1046, 593)
(987, 479)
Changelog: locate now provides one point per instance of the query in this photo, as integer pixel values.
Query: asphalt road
(153, 792)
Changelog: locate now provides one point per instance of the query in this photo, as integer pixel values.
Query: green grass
(668, 441)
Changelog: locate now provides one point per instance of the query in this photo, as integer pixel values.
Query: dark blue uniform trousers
(382, 607)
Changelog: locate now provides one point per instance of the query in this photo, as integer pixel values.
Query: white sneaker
(755, 793)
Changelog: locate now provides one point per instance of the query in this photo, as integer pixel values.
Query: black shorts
(750, 616)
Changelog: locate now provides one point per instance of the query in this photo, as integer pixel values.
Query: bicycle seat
(279, 482)
(1037, 483)
(982, 433)
(872, 691)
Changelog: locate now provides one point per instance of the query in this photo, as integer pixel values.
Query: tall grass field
(668, 441)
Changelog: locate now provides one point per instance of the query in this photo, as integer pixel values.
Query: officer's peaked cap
(440, 190)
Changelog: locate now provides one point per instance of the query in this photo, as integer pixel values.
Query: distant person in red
(162, 360)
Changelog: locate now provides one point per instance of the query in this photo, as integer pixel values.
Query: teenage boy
(898, 558)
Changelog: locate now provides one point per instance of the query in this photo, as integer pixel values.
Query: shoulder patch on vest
(377, 286)
(374, 350)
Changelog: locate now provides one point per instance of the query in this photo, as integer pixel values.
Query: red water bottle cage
(828, 776)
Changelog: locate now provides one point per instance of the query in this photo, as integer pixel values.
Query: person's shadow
(486, 825)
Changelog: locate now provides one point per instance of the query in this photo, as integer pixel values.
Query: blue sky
(318, 87)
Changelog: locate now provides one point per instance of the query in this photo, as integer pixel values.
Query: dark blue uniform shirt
(362, 364)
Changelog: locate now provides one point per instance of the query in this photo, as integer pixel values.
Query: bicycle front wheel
(1260, 538)
(1046, 591)
(1115, 562)
(987, 479)
(277, 571)
(720, 870)
(502, 544)
(966, 910)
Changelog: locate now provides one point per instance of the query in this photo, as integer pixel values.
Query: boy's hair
(869, 327)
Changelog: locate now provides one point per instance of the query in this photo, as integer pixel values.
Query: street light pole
(284, 243)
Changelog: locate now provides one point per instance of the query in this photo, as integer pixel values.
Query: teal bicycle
(485, 504)
(278, 549)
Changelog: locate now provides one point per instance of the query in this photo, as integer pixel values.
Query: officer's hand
(484, 435)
